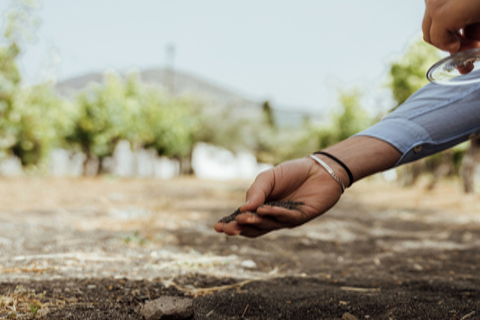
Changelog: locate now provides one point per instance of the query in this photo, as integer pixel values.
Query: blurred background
(214, 89)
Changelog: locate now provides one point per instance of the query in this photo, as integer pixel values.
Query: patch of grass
(21, 301)
(33, 309)
(136, 238)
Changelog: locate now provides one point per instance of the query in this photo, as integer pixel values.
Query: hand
(452, 25)
(301, 180)
(305, 181)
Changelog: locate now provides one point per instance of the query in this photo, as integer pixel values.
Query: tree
(29, 115)
(104, 115)
(125, 109)
(407, 74)
(347, 119)
(268, 114)
(38, 121)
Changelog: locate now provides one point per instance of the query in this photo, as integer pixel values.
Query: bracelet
(350, 175)
(329, 170)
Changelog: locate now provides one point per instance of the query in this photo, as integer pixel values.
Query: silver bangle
(329, 170)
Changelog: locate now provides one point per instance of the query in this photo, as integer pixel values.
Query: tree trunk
(445, 168)
(90, 165)
(469, 165)
(410, 173)
(186, 164)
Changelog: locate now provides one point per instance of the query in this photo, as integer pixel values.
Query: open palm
(300, 180)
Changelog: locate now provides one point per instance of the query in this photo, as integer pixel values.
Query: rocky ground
(105, 248)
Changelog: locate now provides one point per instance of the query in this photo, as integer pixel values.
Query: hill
(181, 83)
(178, 82)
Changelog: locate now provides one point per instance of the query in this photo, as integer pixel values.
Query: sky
(294, 53)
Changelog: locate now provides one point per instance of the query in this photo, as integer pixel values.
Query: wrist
(351, 180)
(338, 173)
(364, 155)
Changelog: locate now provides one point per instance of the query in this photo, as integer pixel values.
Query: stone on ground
(168, 307)
(348, 316)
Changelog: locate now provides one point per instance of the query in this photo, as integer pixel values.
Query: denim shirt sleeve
(433, 119)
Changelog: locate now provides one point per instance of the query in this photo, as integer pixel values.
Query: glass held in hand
(458, 69)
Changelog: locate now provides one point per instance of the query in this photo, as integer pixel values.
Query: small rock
(348, 316)
(168, 307)
(250, 264)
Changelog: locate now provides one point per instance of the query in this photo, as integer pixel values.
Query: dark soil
(283, 298)
(382, 253)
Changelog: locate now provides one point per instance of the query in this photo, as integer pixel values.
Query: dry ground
(99, 248)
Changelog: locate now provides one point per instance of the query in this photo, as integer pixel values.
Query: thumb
(258, 193)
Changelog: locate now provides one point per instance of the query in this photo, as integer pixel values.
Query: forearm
(363, 155)
(435, 118)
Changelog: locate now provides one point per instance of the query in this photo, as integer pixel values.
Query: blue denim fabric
(435, 118)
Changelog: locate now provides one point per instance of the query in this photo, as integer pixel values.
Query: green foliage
(21, 22)
(30, 117)
(170, 125)
(9, 74)
(407, 75)
(101, 113)
(20, 27)
(36, 123)
(9, 85)
(268, 114)
(276, 146)
(346, 119)
(125, 109)
(33, 310)
(136, 238)
(224, 128)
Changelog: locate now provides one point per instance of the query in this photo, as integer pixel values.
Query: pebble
(348, 316)
(250, 264)
(168, 307)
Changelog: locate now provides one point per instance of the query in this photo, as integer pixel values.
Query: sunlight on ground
(143, 228)
(447, 195)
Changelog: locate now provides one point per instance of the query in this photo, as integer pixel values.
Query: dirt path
(101, 248)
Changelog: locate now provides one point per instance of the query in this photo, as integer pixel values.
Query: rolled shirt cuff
(433, 119)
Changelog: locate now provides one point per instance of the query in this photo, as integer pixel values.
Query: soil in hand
(290, 205)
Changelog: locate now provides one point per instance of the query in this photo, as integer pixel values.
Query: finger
(426, 25)
(258, 222)
(466, 68)
(444, 39)
(259, 191)
(282, 215)
(219, 227)
(232, 229)
(252, 232)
